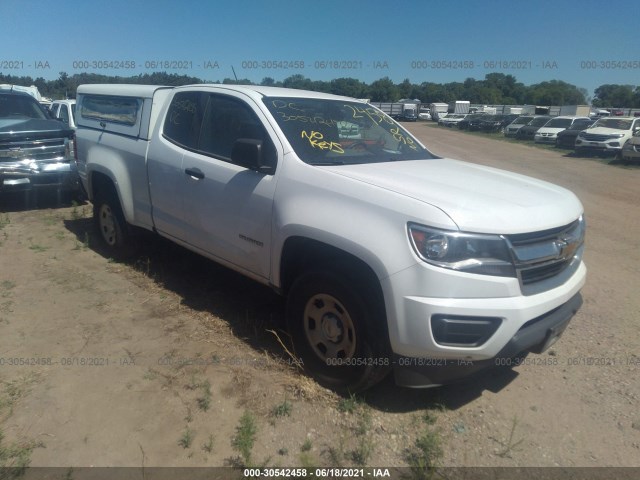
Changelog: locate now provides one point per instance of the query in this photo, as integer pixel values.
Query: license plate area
(552, 336)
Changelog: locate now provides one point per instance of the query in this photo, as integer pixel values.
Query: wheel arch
(302, 254)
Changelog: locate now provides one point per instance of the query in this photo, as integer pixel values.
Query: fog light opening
(462, 331)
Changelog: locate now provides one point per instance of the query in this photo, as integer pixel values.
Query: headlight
(464, 252)
(69, 147)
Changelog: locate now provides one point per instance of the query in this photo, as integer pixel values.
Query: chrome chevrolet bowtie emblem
(566, 246)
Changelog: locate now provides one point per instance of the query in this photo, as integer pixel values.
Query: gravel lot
(152, 362)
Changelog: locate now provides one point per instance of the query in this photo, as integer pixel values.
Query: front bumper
(631, 152)
(608, 147)
(61, 176)
(545, 139)
(536, 336)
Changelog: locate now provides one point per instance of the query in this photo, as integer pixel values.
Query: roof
(31, 91)
(125, 90)
(262, 91)
(147, 91)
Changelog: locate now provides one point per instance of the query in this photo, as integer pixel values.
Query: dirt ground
(153, 361)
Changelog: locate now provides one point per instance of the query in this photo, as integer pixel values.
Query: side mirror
(248, 152)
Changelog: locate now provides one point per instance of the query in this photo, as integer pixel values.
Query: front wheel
(338, 337)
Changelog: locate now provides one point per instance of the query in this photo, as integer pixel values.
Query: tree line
(495, 88)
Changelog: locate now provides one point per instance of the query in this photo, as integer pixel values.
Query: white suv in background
(549, 132)
(608, 135)
(64, 110)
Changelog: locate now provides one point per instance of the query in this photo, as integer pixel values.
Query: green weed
(38, 248)
(424, 455)
(208, 447)
(245, 437)
(282, 410)
(306, 446)
(509, 444)
(204, 402)
(348, 405)
(15, 458)
(186, 439)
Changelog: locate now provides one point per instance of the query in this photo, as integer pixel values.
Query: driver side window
(227, 119)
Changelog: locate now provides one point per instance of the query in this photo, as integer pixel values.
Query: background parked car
(608, 135)
(451, 119)
(476, 122)
(496, 123)
(36, 151)
(511, 129)
(567, 138)
(549, 132)
(631, 149)
(529, 130)
(464, 123)
(425, 114)
(64, 110)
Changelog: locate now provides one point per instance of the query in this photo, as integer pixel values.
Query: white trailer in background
(512, 111)
(459, 106)
(438, 110)
(399, 110)
(575, 110)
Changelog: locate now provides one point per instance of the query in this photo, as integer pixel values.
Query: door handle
(195, 173)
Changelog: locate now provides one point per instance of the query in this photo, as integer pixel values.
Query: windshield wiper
(324, 163)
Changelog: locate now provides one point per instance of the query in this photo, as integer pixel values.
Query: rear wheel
(111, 225)
(336, 334)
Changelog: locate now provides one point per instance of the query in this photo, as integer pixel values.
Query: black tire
(340, 338)
(111, 225)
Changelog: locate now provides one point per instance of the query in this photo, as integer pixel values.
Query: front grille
(528, 238)
(546, 254)
(46, 149)
(537, 274)
(592, 137)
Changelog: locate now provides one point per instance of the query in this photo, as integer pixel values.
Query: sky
(587, 43)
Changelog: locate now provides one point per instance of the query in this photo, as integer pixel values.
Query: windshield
(539, 121)
(559, 123)
(522, 120)
(18, 106)
(616, 123)
(336, 132)
(581, 124)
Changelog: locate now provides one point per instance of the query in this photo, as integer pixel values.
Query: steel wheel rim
(328, 328)
(107, 225)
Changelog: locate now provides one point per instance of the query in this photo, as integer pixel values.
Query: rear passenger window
(122, 110)
(184, 119)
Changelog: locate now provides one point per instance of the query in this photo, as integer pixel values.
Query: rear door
(179, 133)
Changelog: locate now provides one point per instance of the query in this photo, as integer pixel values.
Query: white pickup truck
(390, 257)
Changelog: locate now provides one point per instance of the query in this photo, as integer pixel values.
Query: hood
(26, 129)
(606, 131)
(477, 198)
(551, 129)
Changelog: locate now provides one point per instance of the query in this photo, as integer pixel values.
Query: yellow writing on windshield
(400, 137)
(316, 140)
(373, 114)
